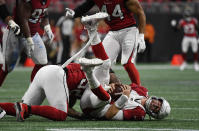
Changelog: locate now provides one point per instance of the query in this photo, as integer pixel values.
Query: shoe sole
(18, 112)
(90, 63)
(3, 113)
(97, 16)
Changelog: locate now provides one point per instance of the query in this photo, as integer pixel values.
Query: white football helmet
(164, 111)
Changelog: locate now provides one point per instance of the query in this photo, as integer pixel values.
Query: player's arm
(113, 77)
(80, 10)
(23, 14)
(5, 15)
(135, 7)
(116, 107)
(47, 28)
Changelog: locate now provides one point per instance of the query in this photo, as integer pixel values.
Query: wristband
(121, 101)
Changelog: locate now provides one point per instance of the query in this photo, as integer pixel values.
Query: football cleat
(196, 67)
(84, 62)
(90, 22)
(21, 111)
(2, 113)
(183, 66)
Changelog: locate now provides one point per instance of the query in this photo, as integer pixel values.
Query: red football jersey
(119, 17)
(38, 10)
(76, 79)
(189, 27)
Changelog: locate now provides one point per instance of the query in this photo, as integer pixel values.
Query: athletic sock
(35, 70)
(101, 93)
(48, 112)
(99, 51)
(133, 73)
(9, 108)
(3, 75)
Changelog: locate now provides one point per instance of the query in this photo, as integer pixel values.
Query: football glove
(13, 26)
(141, 43)
(30, 46)
(69, 13)
(49, 33)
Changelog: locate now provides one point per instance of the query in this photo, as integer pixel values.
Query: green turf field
(181, 89)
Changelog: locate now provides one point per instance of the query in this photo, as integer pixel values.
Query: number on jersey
(36, 15)
(117, 12)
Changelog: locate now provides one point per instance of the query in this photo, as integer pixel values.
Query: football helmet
(164, 110)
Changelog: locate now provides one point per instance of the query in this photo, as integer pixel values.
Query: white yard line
(119, 129)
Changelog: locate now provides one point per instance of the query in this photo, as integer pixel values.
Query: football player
(29, 14)
(124, 35)
(5, 15)
(133, 104)
(189, 25)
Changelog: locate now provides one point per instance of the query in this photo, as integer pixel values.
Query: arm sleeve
(84, 8)
(136, 114)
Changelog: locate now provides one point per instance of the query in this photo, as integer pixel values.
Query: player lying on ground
(133, 104)
(124, 35)
(29, 14)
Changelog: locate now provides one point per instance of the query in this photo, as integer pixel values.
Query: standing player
(123, 35)
(189, 25)
(28, 14)
(5, 15)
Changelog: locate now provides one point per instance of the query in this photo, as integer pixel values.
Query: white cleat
(196, 66)
(2, 113)
(183, 66)
(84, 62)
(91, 21)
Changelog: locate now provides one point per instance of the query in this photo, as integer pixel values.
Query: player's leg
(129, 40)
(39, 55)
(11, 52)
(194, 46)
(185, 46)
(95, 86)
(57, 94)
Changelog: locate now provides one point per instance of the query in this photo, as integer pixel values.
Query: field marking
(119, 67)
(121, 129)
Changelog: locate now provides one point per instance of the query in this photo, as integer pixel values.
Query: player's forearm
(23, 14)
(84, 8)
(141, 21)
(112, 111)
(73, 113)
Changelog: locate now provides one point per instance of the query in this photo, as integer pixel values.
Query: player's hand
(173, 23)
(69, 13)
(49, 33)
(141, 43)
(30, 46)
(13, 26)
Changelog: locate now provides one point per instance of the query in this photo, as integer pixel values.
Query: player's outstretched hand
(141, 43)
(13, 26)
(69, 13)
(30, 46)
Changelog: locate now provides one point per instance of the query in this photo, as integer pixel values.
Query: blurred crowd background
(161, 40)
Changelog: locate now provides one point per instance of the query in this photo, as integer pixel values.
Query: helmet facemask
(157, 107)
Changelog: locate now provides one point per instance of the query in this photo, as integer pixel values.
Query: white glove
(13, 26)
(173, 23)
(49, 33)
(30, 46)
(69, 13)
(141, 43)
